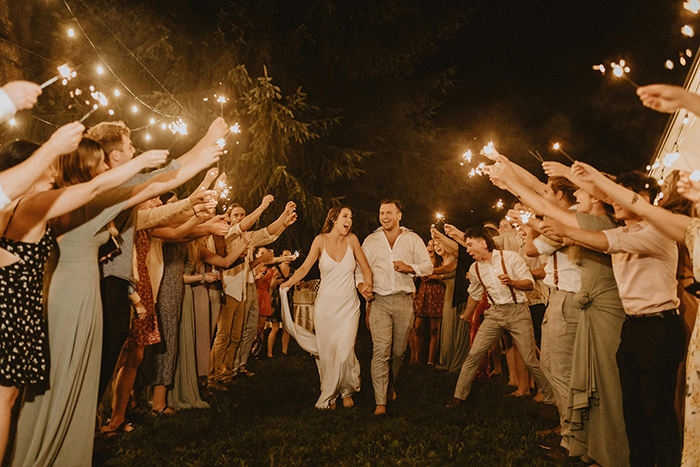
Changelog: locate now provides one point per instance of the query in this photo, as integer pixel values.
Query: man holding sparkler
(395, 255)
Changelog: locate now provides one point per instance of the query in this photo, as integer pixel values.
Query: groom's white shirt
(408, 247)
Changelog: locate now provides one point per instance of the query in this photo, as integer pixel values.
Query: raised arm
(503, 176)
(217, 130)
(587, 238)
(250, 220)
(674, 226)
(450, 245)
(54, 203)
(238, 249)
(179, 232)
(303, 270)
(18, 179)
(668, 99)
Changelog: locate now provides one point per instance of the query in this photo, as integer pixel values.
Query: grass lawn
(270, 420)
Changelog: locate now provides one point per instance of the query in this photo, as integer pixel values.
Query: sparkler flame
(670, 158)
(235, 128)
(692, 5)
(467, 156)
(488, 149)
(525, 216)
(669, 65)
(221, 143)
(499, 204)
(695, 176)
(687, 31)
(556, 146)
(178, 126)
(478, 170)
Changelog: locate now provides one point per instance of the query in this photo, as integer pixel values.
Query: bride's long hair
(332, 217)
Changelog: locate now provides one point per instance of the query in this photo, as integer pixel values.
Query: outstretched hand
(217, 130)
(153, 158)
(208, 179)
(688, 186)
(584, 172)
(554, 229)
(24, 94)
(662, 97)
(453, 232)
(66, 139)
(556, 169)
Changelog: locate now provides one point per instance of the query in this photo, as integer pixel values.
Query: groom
(396, 255)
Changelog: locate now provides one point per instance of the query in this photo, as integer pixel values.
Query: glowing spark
(656, 165)
(488, 149)
(499, 204)
(620, 70)
(556, 146)
(111, 112)
(221, 143)
(235, 128)
(163, 126)
(467, 156)
(695, 176)
(687, 31)
(689, 53)
(669, 65)
(100, 70)
(440, 217)
(221, 100)
(178, 126)
(661, 181)
(525, 216)
(92, 88)
(295, 254)
(600, 68)
(65, 72)
(205, 99)
(13, 122)
(685, 120)
(478, 170)
(71, 33)
(692, 5)
(99, 97)
(669, 159)
(682, 60)
(648, 168)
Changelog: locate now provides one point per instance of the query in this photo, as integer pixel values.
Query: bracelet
(195, 212)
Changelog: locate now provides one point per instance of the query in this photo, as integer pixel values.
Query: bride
(337, 308)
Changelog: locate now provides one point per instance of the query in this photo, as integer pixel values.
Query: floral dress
(24, 357)
(144, 331)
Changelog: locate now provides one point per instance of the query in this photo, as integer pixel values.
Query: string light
(692, 5)
(687, 31)
(100, 70)
(695, 176)
(71, 33)
(116, 92)
(152, 121)
(148, 137)
(669, 64)
(12, 122)
(134, 109)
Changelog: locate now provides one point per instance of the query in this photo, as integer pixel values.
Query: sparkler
(695, 176)
(467, 156)
(478, 170)
(670, 158)
(692, 5)
(499, 204)
(65, 72)
(99, 97)
(221, 100)
(235, 128)
(618, 69)
(687, 31)
(669, 65)
(557, 147)
(178, 126)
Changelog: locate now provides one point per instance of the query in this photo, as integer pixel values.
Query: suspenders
(505, 271)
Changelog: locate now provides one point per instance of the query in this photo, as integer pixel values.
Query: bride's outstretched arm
(304, 269)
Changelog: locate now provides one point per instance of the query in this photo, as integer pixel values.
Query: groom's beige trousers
(390, 322)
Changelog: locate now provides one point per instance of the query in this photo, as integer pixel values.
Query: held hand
(210, 277)
(688, 187)
(434, 234)
(139, 311)
(209, 156)
(200, 197)
(290, 208)
(208, 179)
(217, 130)
(218, 226)
(153, 158)
(290, 220)
(553, 229)
(400, 266)
(585, 172)
(220, 184)
(556, 169)
(288, 284)
(66, 139)
(266, 201)
(491, 153)
(662, 97)
(23, 94)
(267, 257)
(453, 231)
(366, 290)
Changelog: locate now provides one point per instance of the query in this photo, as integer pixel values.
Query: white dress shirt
(408, 247)
(235, 279)
(489, 271)
(569, 273)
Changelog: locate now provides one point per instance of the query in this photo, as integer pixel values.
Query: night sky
(525, 80)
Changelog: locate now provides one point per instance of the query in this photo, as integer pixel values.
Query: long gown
(691, 435)
(337, 315)
(454, 332)
(595, 399)
(56, 427)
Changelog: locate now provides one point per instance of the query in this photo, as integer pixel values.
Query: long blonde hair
(81, 165)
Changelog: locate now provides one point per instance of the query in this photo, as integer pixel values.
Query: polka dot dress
(23, 346)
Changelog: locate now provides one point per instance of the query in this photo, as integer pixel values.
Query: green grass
(270, 420)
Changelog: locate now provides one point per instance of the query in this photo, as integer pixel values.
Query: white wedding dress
(337, 314)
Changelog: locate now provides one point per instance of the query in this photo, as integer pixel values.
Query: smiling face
(477, 249)
(344, 221)
(236, 215)
(389, 216)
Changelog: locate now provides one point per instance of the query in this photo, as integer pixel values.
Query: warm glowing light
(439, 216)
(163, 126)
(600, 68)
(64, 82)
(467, 156)
(100, 70)
(670, 158)
(648, 168)
(478, 170)
(556, 146)
(695, 176)
(92, 88)
(656, 165)
(669, 65)
(134, 109)
(499, 204)
(296, 253)
(525, 216)
(689, 53)
(178, 126)
(116, 92)
(111, 112)
(682, 60)
(64, 70)
(221, 100)
(685, 120)
(692, 5)
(13, 122)
(619, 69)
(661, 181)
(205, 99)
(148, 137)
(235, 128)
(71, 33)
(221, 143)
(99, 97)
(488, 149)
(687, 31)
(152, 121)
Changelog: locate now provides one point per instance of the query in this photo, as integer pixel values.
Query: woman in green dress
(57, 426)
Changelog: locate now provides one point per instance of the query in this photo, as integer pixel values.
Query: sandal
(164, 411)
(125, 427)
